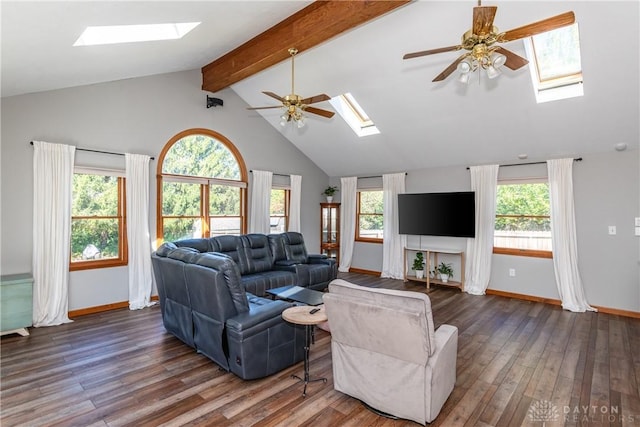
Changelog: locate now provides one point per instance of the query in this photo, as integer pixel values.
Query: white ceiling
(422, 124)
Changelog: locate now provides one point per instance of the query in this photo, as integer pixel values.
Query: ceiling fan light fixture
(498, 60)
(492, 72)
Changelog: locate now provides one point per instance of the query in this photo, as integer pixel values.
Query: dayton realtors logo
(546, 412)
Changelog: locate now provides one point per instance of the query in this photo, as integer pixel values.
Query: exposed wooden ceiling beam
(314, 24)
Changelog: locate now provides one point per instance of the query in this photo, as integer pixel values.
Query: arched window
(202, 182)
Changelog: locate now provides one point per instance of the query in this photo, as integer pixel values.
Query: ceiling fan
(295, 105)
(479, 43)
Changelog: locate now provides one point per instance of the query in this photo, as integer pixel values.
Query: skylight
(352, 113)
(556, 70)
(113, 34)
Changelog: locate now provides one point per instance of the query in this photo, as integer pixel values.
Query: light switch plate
(638, 221)
(637, 231)
(612, 230)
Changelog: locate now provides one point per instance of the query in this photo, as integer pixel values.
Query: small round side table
(301, 315)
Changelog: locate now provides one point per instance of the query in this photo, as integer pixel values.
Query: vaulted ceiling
(422, 124)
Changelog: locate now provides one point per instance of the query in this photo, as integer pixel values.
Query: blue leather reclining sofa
(211, 295)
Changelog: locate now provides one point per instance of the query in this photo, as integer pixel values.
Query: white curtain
(484, 181)
(52, 192)
(259, 220)
(393, 243)
(348, 188)
(563, 236)
(294, 203)
(138, 237)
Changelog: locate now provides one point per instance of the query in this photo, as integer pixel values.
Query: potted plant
(445, 270)
(418, 265)
(329, 192)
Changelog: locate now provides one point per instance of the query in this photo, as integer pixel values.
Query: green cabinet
(16, 303)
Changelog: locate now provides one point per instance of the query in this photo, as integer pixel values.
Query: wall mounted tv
(437, 214)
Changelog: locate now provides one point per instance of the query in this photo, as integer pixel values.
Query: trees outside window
(202, 187)
(369, 216)
(523, 225)
(98, 229)
(279, 210)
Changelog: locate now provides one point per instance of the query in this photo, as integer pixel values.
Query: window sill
(89, 265)
(362, 240)
(523, 252)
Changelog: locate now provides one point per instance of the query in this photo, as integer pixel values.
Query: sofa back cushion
(232, 246)
(276, 242)
(412, 316)
(257, 252)
(294, 247)
(221, 285)
(201, 245)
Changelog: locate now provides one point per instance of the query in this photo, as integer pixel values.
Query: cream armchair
(386, 352)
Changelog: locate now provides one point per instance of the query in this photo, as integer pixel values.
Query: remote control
(314, 311)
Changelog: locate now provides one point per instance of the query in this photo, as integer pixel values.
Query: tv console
(431, 261)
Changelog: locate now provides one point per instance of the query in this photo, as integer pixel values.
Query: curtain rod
(98, 151)
(375, 176)
(577, 159)
(279, 174)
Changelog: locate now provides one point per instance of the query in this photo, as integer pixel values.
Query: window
(98, 226)
(352, 113)
(523, 226)
(556, 70)
(369, 216)
(202, 182)
(279, 210)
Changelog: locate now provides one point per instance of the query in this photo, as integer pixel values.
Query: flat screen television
(437, 214)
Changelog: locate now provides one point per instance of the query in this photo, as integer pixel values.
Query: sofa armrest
(443, 368)
(317, 256)
(285, 263)
(321, 259)
(258, 318)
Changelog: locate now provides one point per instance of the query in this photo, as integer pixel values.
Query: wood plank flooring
(121, 368)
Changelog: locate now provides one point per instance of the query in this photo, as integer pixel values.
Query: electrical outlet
(512, 272)
(612, 230)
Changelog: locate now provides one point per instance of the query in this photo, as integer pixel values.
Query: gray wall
(607, 189)
(138, 116)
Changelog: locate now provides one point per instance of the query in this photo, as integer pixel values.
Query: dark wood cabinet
(330, 230)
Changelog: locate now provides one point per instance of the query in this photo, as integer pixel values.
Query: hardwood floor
(122, 368)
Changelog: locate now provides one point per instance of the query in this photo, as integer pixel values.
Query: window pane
(181, 228)
(371, 202)
(277, 224)
(277, 206)
(93, 239)
(371, 226)
(224, 200)
(522, 217)
(224, 225)
(180, 199)
(201, 155)
(558, 52)
(94, 195)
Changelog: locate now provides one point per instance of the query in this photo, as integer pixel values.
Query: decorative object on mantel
(479, 41)
(445, 271)
(294, 105)
(329, 192)
(418, 265)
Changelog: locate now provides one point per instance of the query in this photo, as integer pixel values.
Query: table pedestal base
(308, 332)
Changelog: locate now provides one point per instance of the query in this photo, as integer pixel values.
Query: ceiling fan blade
(273, 95)
(450, 69)
(320, 112)
(431, 52)
(483, 19)
(534, 28)
(264, 108)
(513, 61)
(314, 99)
